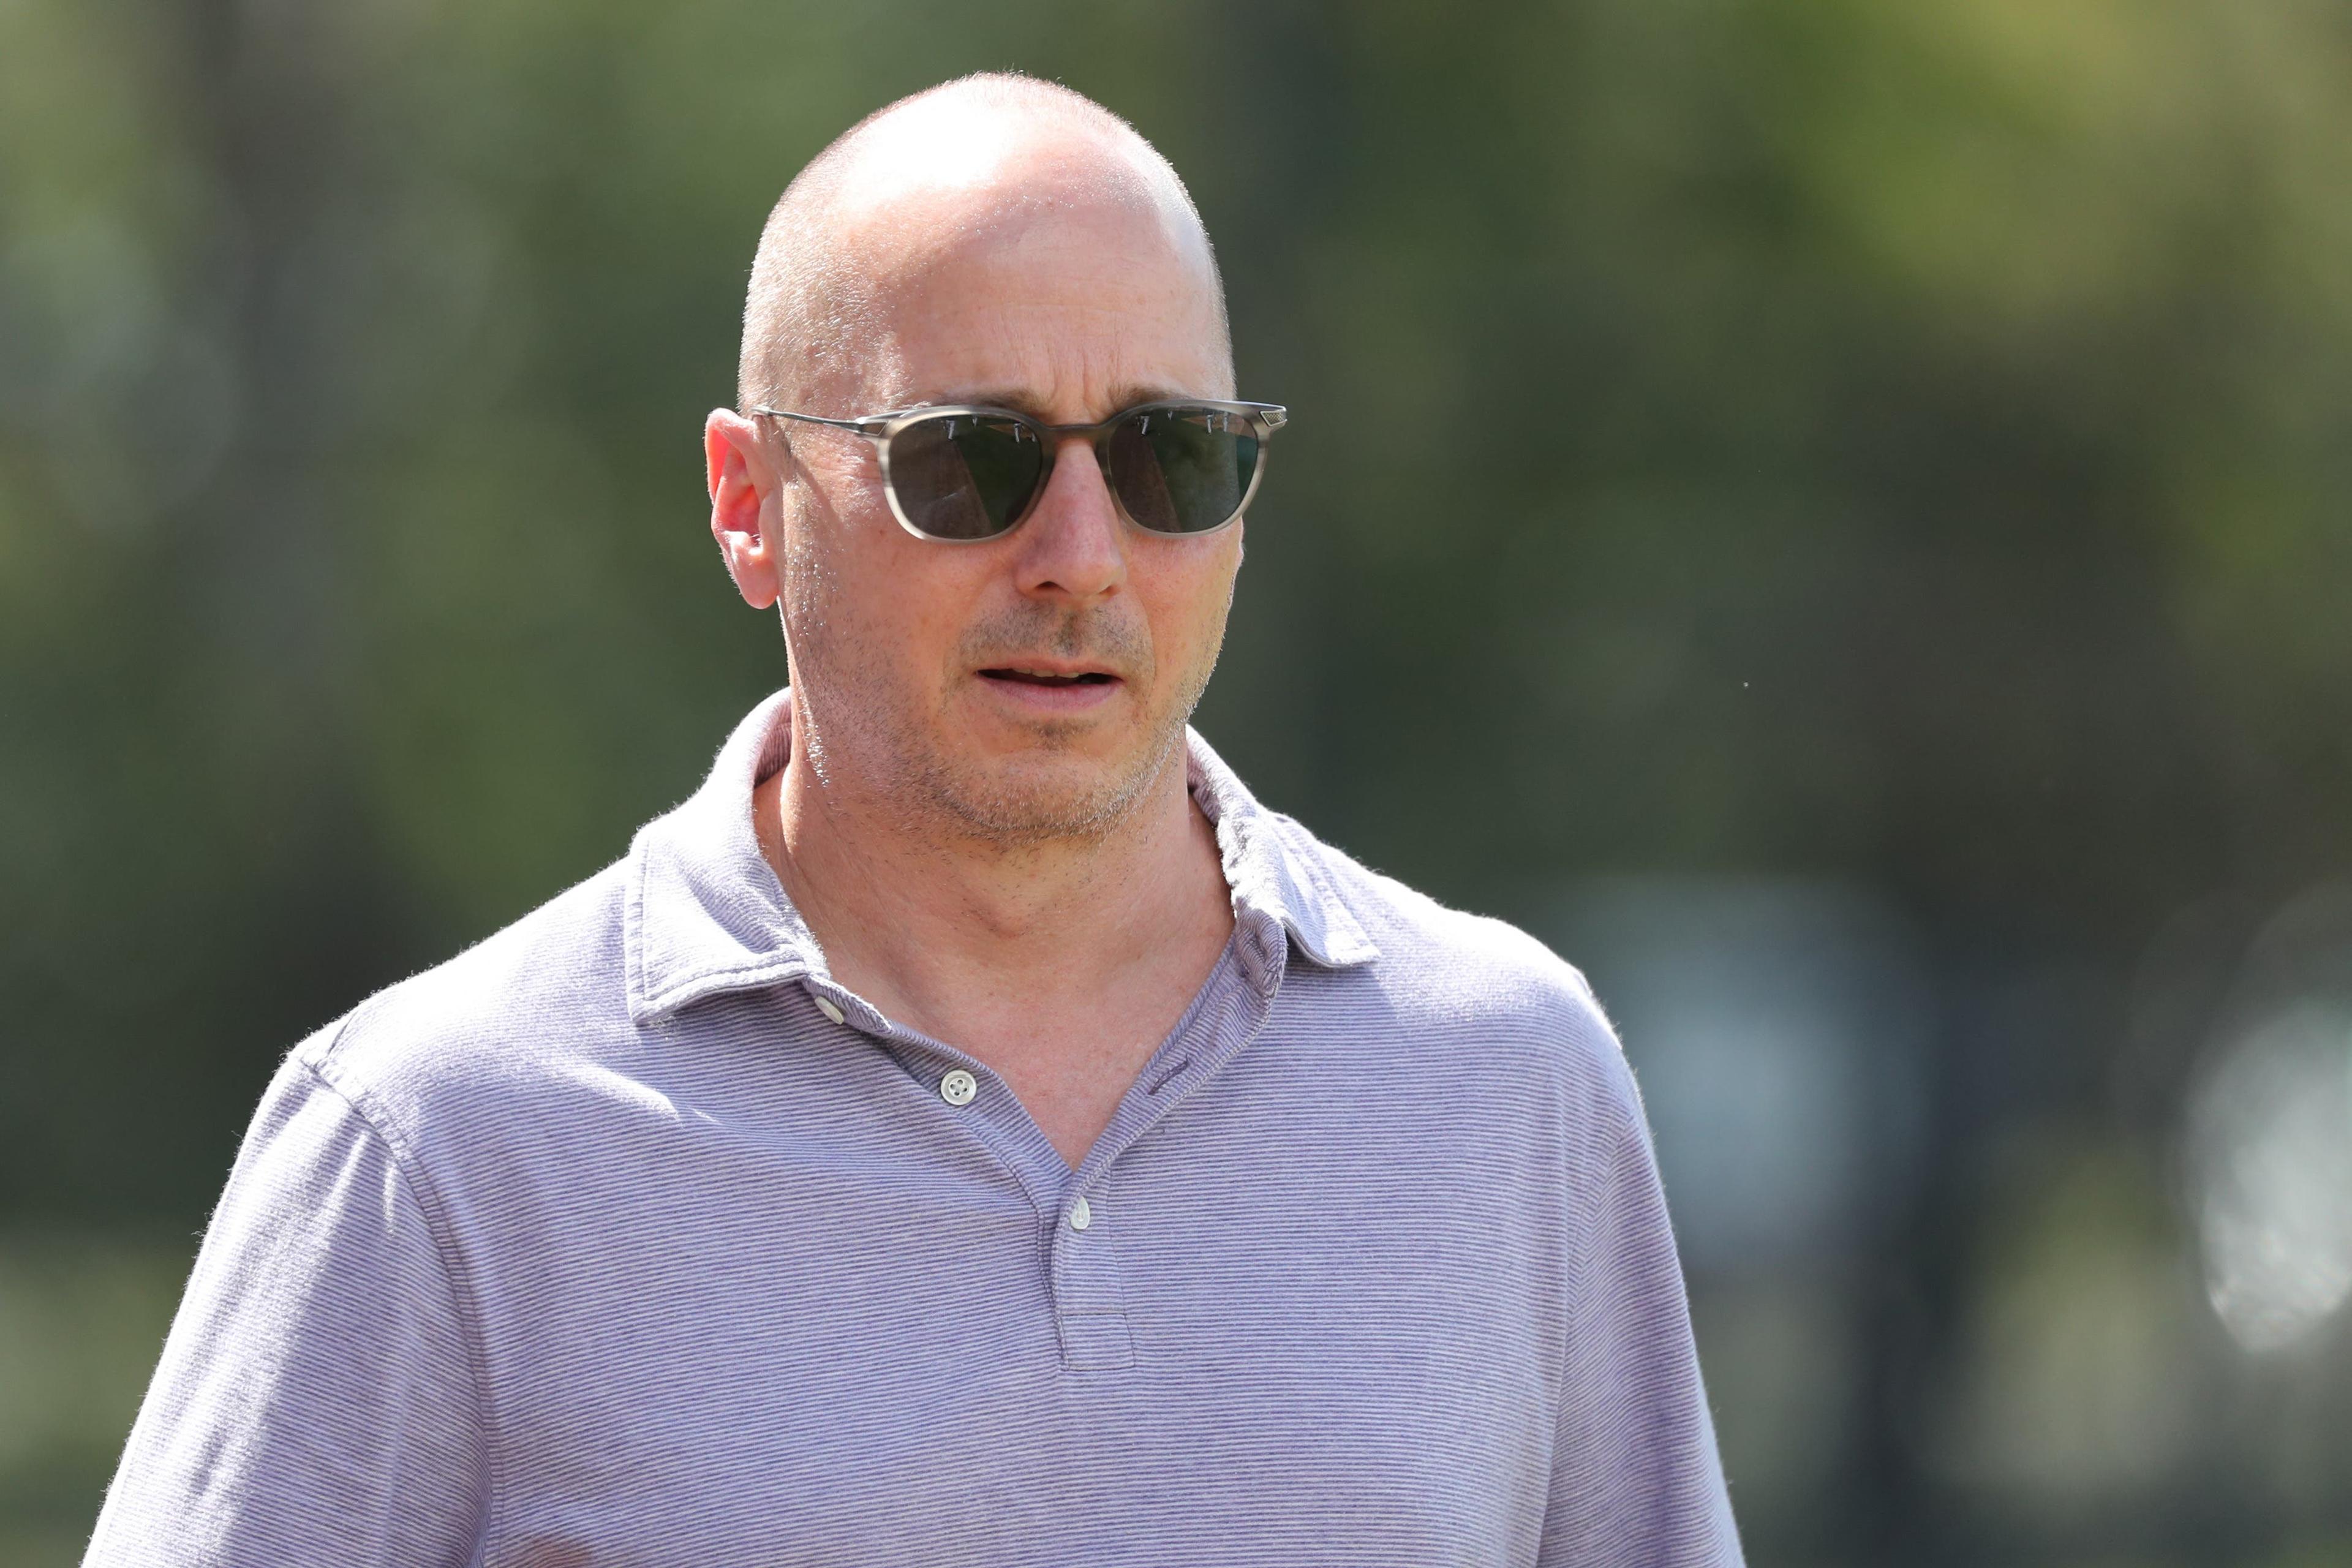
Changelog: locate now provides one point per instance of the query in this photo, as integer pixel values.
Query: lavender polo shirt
(631, 1237)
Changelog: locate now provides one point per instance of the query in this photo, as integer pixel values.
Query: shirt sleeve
(316, 1401)
(1636, 1479)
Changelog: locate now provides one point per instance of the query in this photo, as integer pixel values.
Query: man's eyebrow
(1022, 400)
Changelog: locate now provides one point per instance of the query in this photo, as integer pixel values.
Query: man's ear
(745, 476)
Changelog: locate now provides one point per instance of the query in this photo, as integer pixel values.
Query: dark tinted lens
(1181, 470)
(956, 477)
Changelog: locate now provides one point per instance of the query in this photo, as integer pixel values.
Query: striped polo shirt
(630, 1237)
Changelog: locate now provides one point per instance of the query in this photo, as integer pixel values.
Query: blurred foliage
(1909, 446)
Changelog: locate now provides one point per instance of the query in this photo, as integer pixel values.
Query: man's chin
(1046, 795)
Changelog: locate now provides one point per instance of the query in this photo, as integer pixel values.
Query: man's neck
(1061, 963)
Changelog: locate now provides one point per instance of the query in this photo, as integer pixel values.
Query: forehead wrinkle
(1058, 382)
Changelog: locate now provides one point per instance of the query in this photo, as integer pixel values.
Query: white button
(958, 1086)
(1081, 1215)
(826, 1006)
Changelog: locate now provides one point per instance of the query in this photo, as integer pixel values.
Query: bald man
(971, 1128)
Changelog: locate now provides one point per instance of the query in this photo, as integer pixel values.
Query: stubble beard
(852, 710)
(1020, 814)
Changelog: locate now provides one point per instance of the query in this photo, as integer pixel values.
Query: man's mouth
(1027, 677)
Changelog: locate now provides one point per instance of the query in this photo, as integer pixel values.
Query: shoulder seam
(462, 1295)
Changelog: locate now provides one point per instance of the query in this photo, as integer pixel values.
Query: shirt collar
(705, 913)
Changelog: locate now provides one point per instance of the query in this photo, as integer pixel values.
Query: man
(970, 1129)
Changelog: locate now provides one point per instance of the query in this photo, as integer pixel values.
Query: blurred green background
(1833, 513)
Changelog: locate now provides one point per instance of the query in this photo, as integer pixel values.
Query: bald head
(978, 161)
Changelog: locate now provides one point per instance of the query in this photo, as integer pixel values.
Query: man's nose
(1073, 545)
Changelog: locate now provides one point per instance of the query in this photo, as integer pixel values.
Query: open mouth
(1047, 677)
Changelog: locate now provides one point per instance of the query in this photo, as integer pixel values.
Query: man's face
(939, 676)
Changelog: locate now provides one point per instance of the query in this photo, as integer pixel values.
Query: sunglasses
(965, 474)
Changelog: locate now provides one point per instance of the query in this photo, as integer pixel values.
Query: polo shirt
(631, 1237)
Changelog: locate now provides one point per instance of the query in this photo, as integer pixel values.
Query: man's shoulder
(1420, 938)
(1466, 966)
(545, 990)
(1464, 1004)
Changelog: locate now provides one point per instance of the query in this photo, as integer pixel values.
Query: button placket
(1089, 1309)
(1089, 1306)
